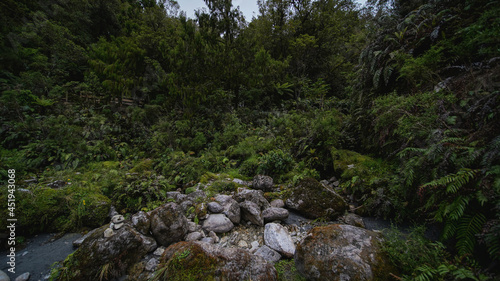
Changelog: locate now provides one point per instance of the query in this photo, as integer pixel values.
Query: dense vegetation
(124, 100)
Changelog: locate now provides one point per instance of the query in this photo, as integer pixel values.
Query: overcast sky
(248, 7)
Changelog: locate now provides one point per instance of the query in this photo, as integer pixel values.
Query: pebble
(152, 264)
(243, 244)
(159, 251)
(108, 232)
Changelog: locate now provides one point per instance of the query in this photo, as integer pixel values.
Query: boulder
(268, 254)
(141, 221)
(120, 251)
(215, 207)
(192, 226)
(168, 224)
(218, 223)
(251, 212)
(204, 261)
(196, 196)
(176, 196)
(231, 207)
(274, 214)
(342, 252)
(278, 239)
(262, 182)
(314, 200)
(256, 196)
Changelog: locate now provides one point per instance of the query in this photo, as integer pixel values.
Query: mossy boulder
(342, 252)
(314, 200)
(203, 261)
(168, 224)
(96, 210)
(100, 255)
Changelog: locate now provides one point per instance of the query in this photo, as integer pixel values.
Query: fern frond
(449, 229)
(453, 182)
(457, 208)
(468, 227)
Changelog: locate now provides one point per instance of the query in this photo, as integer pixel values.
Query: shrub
(275, 162)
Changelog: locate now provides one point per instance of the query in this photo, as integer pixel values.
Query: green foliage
(275, 162)
(419, 259)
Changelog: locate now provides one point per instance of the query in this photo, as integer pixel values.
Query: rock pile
(235, 236)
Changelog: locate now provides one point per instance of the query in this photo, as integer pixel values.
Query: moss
(287, 271)
(142, 166)
(316, 201)
(186, 261)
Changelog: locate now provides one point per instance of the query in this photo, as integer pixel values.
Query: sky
(248, 7)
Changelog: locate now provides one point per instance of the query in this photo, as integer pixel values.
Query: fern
(468, 227)
(453, 182)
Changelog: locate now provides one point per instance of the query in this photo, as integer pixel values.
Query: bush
(275, 162)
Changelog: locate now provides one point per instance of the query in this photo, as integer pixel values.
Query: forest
(121, 101)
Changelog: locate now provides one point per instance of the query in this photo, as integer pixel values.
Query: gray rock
(277, 203)
(117, 219)
(255, 196)
(342, 252)
(243, 244)
(168, 224)
(78, 242)
(225, 263)
(4, 276)
(152, 264)
(185, 205)
(196, 195)
(23, 277)
(251, 212)
(142, 222)
(314, 200)
(214, 236)
(192, 226)
(255, 246)
(194, 236)
(208, 240)
(215, 207)
(218, 223)
(159, 251)
(231, 207)
(353, 219)
(278, 239)
(176, 196)
(262, 182)
(268, 254)
(108, 233)
(238, 181)
(127, 243)
(116, 226)
(273, 214)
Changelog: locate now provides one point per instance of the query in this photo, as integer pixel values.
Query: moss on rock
(314, 200)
